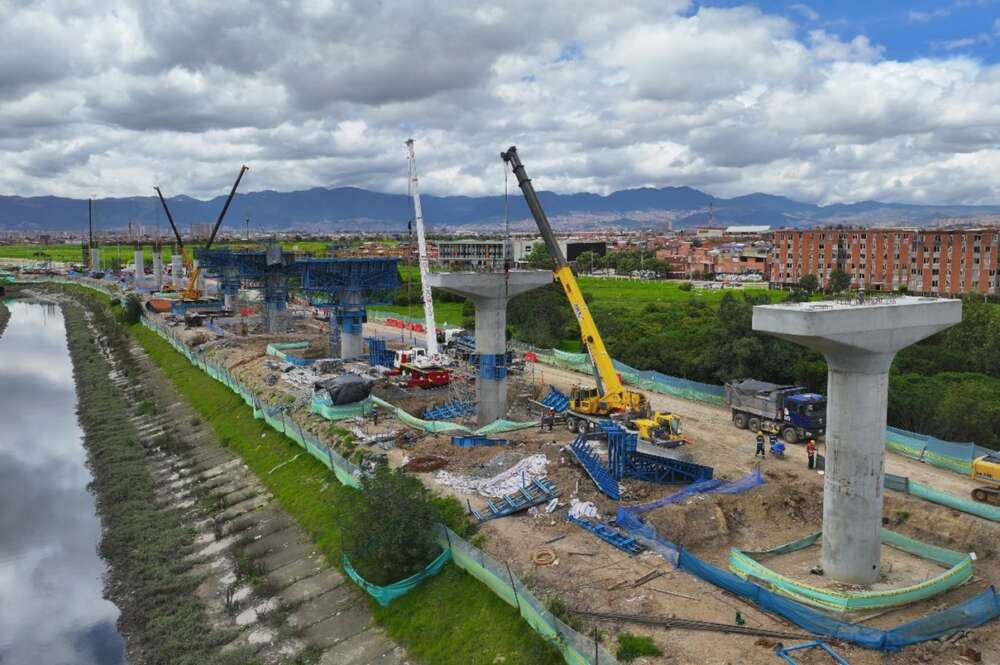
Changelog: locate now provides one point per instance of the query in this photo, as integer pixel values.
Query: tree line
(947, 385)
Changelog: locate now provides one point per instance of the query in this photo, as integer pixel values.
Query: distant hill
(352, 209)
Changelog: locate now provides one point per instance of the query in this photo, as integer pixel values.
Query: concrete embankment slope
(203, 564)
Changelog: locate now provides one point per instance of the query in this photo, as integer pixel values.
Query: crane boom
(192, 286)
(177, 234)
(425, 289)
(609, 385)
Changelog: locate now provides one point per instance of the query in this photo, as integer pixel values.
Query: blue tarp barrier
(968, 614)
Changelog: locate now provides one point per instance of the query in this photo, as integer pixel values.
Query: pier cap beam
(490, 293)
(859, 340)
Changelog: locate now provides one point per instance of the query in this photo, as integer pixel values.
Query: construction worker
(760, 445)
(552, 418)
(811, 453)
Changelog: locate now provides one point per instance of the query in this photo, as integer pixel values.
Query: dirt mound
(785, 505)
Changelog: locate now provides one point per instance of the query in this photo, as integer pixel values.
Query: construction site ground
(589, 574)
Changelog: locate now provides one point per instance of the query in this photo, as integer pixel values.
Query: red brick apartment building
(926, 261)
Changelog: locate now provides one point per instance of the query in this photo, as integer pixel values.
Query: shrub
(132, 310)
(388, 531)
(685, 286)
(632, 646)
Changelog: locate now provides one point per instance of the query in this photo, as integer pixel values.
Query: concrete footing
(490, 293)
(859, 341)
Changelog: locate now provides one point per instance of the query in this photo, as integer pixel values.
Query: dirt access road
(717, 442)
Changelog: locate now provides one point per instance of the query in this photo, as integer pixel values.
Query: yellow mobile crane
(609, 396)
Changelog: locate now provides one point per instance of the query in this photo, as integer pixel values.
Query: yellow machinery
(661, 428)
(987, 468)
(610, 396)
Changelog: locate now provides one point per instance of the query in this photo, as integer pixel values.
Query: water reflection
(50, 574)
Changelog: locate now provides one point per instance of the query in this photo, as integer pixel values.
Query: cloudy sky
(826, 101)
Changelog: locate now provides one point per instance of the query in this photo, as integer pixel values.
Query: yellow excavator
(588, 404)
(987, 469)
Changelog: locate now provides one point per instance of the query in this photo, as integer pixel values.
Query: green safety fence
(575, 648)
(745, 565)
(386, 594)
(500, 425)
(952, 455)
(280, 350)
(928, 493)
(321, 405)
(646, 379)
(347, 473)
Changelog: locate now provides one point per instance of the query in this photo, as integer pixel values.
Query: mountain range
(339, 209)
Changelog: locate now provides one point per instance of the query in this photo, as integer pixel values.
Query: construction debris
(523, 473)
(687, 624)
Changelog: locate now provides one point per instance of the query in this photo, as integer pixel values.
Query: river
(51, 577)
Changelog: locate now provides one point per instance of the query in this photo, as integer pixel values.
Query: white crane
(425, 289)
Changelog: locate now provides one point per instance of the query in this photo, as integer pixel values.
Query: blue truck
(793, 412)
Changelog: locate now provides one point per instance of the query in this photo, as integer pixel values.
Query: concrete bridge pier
(490, 293)
(859, 341)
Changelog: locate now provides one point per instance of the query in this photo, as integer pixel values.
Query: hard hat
(760, 432)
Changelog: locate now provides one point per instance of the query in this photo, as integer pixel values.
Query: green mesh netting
(386, 594)
(573, 646)
(745, 564)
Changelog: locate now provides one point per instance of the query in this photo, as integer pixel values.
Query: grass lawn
(72, 253)
(451, 619)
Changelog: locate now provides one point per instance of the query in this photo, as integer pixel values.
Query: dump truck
(793, 412)
(987, 469)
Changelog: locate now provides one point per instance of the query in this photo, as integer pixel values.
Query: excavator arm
(609, 386)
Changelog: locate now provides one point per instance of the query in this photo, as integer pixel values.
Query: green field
(71, 253)
(639, 293)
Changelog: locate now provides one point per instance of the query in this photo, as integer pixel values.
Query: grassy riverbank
(161, 617)
(4, 317)
(449, 620)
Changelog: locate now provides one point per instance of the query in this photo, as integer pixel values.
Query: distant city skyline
(824, 102)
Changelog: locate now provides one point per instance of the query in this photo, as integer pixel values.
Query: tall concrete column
(95, 258)
(859, 342)
(490, 293)
(177, 271)
(140, 267)
(200, 285)
(157, 268)
(352, 318)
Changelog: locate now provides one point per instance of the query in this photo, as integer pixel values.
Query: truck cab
(805, 410)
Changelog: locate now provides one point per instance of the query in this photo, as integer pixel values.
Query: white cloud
(926, 17)
(806, 11)
(733, 100)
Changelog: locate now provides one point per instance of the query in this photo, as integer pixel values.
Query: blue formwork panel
(470, 441)
(591, 463)
(453, 409)
(556, 400)
(607, 534)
